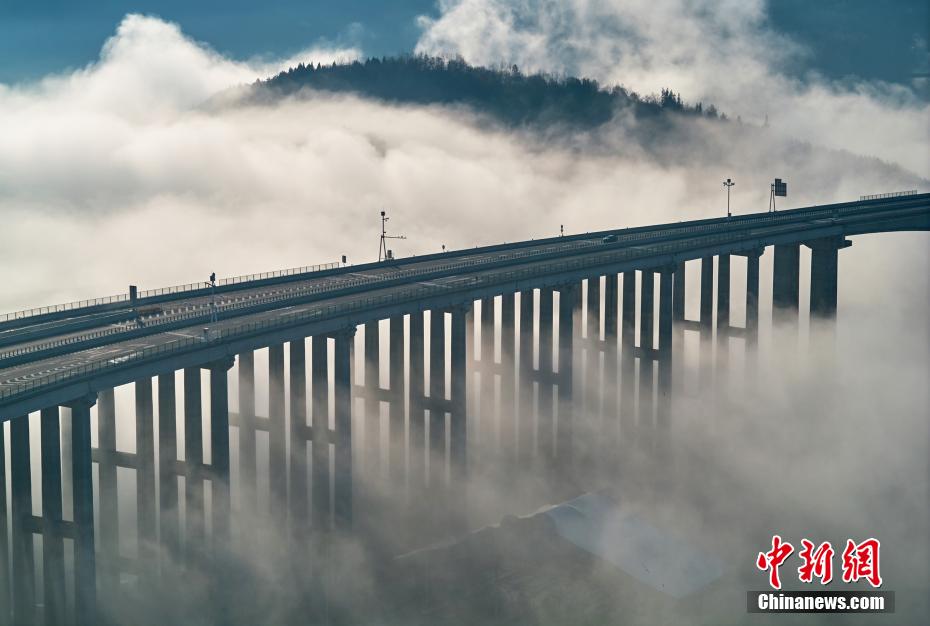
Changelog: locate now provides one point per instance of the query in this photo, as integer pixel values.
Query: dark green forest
(507, 94)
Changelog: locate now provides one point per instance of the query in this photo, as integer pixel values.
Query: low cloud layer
(131, 171)
(711, 51)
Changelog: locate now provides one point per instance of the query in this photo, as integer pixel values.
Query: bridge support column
(706, 321)
(545, 426)
(416, 387)
(646, 337)
(193, 461)
(723, 295)
(486, 431)
(169, 502)
(628, 364)
(247, 463)
(508, 413)
(785, 282)
(109, 500)
(85, 564)
(525, 427)
(663, 418)
(458, 442)
(370, 463)
(343, 445)
(145, 471)
(319, 380)
(219, 452)
(568, 297)
(277, 445)
(396, 449)
(437, 393)
(609, 426)
(24, 601)
(707, 295)
(298, 503)
(678, 304)
(824, 268)
(590, 387)
(752, 297)
(6, 605)
(53, 549)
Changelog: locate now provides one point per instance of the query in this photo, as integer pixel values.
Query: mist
(145, 168)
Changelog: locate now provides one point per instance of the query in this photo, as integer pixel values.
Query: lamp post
(728, 183)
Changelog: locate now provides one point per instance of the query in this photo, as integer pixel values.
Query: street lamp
(728, 183)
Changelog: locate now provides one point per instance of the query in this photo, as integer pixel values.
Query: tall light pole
(382, 248)
(728, 183)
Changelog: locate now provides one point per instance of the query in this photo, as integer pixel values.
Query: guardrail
(407, 295)
(68, 306)
(235, 280)
(893, 194)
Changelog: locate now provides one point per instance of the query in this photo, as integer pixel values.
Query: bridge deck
(32, 353)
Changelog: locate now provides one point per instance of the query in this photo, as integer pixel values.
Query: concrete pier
(396, 409)
(85, 563)
(6, 613)
(219, 453)
(298, 492)
(24, 600)
(168, 497)
(785, 281)
(437, 393)
(145, 470)
(546, 399)
(486, 432)
(526, 425)
(53, 549)
(564, 441)
(628, 364)
(752, 297)
(508, 402)
(370, 462)
(416, 387)
(666, 302)
(343, 493)
(247, 463)
(319, 388)
(277, 430)
(610, 428)
(195, 523)
(109, 510)
(646, 338)
(824, 268)
(723, 295)
(458, 436)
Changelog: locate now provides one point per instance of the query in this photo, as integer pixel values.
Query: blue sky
(868, 39)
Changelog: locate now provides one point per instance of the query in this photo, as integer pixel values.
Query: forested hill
(514, 98)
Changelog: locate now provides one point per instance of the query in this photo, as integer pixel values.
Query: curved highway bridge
(74, 355)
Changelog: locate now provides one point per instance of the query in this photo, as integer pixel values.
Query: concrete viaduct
(551, 297)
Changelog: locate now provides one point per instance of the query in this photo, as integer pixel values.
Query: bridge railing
(67, 306)
(235, 280)
(893, 194)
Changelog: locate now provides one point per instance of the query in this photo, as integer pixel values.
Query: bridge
(546, 301)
